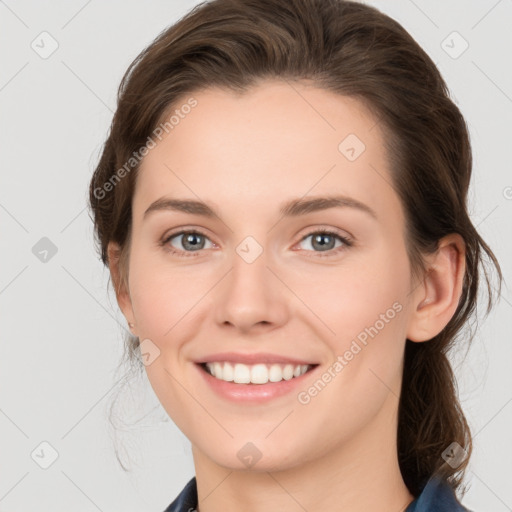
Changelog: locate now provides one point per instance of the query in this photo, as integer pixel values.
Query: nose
(251, 297)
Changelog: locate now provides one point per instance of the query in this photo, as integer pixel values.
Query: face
(271, 274)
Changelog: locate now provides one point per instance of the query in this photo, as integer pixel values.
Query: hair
(356, 51)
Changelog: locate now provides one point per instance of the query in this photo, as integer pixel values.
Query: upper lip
(254, 358)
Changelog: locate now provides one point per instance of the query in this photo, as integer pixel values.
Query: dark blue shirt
(437, 496)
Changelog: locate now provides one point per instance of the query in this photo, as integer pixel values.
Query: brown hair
(357, 51)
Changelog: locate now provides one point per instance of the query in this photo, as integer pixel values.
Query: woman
(281, 202)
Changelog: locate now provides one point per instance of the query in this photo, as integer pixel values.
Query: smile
(240, 373)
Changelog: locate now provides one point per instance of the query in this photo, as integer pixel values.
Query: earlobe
(437, 298)
(120, 288)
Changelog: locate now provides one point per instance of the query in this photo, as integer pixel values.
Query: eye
(190, 242)
(325, 241)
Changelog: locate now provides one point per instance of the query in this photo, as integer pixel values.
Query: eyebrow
(292, 208)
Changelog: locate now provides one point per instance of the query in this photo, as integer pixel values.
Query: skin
(246, 155)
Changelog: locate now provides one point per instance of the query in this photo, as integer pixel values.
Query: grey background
(61, 328)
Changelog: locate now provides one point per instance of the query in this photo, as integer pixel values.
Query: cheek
(359, 293)
(367, 313)
(364, 306)
(163, 295)
(152, 301)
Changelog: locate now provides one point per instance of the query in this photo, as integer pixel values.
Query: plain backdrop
(61, 336)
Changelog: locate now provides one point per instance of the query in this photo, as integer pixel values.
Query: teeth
(255, 374)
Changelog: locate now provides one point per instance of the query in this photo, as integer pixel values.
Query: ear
(436, 298)
(120, 285)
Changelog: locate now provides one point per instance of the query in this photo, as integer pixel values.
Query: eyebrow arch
(292, 208)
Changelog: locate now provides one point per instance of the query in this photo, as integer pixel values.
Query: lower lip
(253, 393)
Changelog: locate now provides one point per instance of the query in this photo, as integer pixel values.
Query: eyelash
(191, 254)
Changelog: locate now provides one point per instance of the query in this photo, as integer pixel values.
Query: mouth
(257, 374)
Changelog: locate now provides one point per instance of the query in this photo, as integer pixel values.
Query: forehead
(279, 140)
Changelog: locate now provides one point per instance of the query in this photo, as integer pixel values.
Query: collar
(437, 496)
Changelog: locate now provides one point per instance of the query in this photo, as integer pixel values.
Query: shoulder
(186, 501)
(437, 496)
